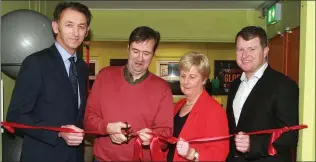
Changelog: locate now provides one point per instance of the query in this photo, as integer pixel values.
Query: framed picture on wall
(225, 71)
(93, 69)
(168, 70)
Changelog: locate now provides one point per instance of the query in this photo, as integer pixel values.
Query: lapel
(178, 106)
(254, 98)
(232, 94)
(193, 116)
(60, 73)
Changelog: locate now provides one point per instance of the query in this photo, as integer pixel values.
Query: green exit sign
(274, 14)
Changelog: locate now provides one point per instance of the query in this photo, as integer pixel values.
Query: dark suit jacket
(206, 119)
(272, 103)
(43, 96)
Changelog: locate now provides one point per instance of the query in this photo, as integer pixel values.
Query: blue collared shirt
(65, 56)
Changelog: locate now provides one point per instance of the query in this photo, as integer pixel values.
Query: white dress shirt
(65, 56)
(244, 90)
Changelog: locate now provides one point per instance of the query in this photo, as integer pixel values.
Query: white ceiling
(184, 4)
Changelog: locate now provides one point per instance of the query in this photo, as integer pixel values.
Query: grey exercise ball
(23, 32)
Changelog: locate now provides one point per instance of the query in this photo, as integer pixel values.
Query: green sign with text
(274, 14)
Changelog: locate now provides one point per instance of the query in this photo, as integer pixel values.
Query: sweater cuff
(102, 127)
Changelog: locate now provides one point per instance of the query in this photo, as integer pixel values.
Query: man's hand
(115, 131)
(72, 139)
(242, 142)
(144, 136)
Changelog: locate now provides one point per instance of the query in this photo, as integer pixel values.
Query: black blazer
(43, 96)
(272, 103)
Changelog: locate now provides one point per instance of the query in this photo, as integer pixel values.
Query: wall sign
(225, 71)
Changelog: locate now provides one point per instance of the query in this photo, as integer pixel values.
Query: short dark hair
(250, 32)
(74, 6)
(144, 33)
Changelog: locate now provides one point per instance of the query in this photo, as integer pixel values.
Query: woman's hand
(183, 147)
(184, 150)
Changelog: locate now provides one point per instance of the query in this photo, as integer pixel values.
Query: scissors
(128, 132)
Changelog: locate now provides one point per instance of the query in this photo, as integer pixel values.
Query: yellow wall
(104, 51)
(306, 149)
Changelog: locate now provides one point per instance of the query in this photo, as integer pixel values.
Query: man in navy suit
(51, 90)
(260, 99)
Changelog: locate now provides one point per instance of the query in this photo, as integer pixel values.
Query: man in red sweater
(129, 94)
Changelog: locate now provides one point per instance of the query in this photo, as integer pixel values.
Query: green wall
(290, 17)
(44, 7)
(174, 25)
(8, 6)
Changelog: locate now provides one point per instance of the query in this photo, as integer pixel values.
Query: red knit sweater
(147, 104)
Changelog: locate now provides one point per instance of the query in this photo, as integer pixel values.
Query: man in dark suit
(260, 99)
(51, 90)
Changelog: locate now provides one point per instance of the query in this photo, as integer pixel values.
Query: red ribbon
(158, 155)
(156, 144)
(155, 149)
(10, 127)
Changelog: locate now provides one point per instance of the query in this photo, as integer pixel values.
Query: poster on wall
(225, 71)
(168, 70)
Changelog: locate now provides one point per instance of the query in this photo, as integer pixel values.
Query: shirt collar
(130, 79)
(258, 74)
(64, 54)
